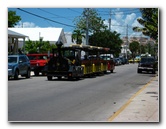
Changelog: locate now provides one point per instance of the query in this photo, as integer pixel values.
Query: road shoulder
(143, 106)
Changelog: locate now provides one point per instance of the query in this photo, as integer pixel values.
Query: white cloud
(130, 19)
(120, 21)
(119, 16)
(26, 25)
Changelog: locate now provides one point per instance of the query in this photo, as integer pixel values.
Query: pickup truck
(38, 63)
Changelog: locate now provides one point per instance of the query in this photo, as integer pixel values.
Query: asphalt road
(87, 100)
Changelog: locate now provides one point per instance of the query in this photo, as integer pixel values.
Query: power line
(119, 13)
(54, 14)
(45, 18)
(124, 12)
(74, 10)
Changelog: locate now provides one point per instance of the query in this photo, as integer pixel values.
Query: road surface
(87, 100)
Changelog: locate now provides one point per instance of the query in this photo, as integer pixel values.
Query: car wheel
(49, 77)
(36, 73)
(44, 73)
(16, 75)
(139, 71)
(28, 74)
(153, 72)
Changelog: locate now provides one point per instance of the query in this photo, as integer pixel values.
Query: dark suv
(18, 65)
(147, 64)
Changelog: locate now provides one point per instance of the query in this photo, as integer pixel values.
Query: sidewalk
(142, 107)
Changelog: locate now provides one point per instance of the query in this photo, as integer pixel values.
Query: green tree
(95, 23)
(149, 21)
(142, 49)
(134, 48)
(107, 39)
(38, 46)
(151, 48)
(13, 19)
(78, 35)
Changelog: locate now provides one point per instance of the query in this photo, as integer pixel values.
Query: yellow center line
(129, 101)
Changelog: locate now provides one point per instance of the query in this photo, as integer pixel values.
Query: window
(12, 59)
(22, 59)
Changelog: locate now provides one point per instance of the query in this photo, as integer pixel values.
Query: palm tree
(149, 21)
(78, 35)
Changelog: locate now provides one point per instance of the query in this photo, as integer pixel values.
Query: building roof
(48, 34)
(15, 34)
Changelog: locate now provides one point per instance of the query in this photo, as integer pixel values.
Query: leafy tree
(107, 39)
(13, 18)
(38, 46)
(134, 48)
(78, 35)
(95, 23)
(142, 49)
(151, 48)
(149, 21)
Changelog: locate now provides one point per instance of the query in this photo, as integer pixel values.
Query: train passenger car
(110, 60)
(92, 63)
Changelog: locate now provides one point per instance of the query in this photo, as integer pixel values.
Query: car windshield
(144, 60)
(32, 57)
(12, 59)
(37, 57)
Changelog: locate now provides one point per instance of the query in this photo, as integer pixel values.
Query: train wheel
(77, 78)
(59, 78)
(70, 78)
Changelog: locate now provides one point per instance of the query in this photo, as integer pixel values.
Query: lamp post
(126, 50)
(140, 48)
(41, 40)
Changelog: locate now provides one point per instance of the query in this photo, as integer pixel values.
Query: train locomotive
(68, 62)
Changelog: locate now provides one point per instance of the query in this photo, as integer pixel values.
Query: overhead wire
(74, 10)
(57, 16)
(46, 18)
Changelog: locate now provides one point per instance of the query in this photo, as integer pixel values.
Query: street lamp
(140, 48)
(40, 39)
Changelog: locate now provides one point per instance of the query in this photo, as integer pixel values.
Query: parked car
(38, 63)
(123, 61)
(147, 64)
(118, 61)
(18, 65)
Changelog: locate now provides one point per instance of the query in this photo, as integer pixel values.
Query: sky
(64, 18)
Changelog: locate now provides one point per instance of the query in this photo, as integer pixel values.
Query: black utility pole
(126, 40)
(109, 20)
